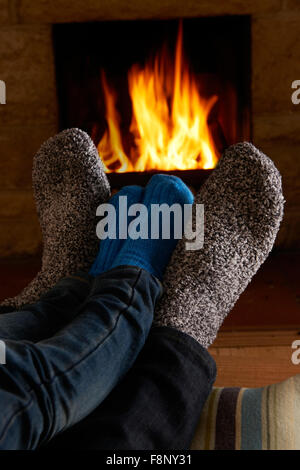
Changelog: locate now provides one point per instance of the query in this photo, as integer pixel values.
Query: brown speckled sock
(243, 205)
(69, 183)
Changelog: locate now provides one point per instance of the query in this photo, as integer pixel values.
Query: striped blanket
(265, 418)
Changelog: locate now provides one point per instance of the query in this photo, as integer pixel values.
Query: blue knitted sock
(109, 248)
(153, 254)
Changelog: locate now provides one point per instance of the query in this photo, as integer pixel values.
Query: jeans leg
(157, 405)
(48, 386)
(56, 308)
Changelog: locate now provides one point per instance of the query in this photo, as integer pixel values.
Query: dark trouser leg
(54, 310)
(48, 386)
(157, 405)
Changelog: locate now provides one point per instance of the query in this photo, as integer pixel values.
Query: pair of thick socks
(243, 206)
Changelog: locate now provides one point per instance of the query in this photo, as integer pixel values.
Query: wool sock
(109, 248)
(243, 206)
(69, 183)
(151, 254)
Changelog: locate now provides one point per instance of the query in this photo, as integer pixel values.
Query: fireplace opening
(156, 96)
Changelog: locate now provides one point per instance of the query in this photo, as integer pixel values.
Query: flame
(169, 119)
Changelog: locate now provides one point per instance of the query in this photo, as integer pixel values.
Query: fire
(169, 119)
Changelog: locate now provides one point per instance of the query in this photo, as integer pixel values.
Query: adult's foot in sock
(69, 183)
(243, 206)
(149, 253)
(109, 248)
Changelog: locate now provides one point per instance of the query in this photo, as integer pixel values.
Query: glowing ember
(169, 119)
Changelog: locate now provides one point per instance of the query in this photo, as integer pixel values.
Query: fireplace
(50, 51)
(255, 44)
(156, 96)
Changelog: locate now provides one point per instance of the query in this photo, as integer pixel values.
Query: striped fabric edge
(226, 419)
(204, 438)
(230, 420)
(266, 418)
(281, 415)
(251, 419)
(218, 414)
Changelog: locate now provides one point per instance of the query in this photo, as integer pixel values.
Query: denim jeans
(158, 403)
(66, 353)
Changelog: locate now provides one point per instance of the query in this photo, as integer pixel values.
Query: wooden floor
(253, 347)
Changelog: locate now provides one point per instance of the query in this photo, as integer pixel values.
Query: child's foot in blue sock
(109, 248)
(154, 252)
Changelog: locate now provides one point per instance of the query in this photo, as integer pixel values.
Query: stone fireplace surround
(31, 113)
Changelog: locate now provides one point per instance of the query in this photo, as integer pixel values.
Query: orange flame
(169, 121)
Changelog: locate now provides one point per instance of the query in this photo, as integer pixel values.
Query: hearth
(156, 96)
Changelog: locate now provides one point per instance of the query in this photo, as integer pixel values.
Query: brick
(275, 62)
(17, 147)
(277, 126)
(288, 236)
(27, 67)
(286, 157)
(293, 5)
(4, 11)
(15, 203)
(278, 136)
(43, 11)
(19, 237)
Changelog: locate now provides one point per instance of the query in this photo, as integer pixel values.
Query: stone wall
(30, 115)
